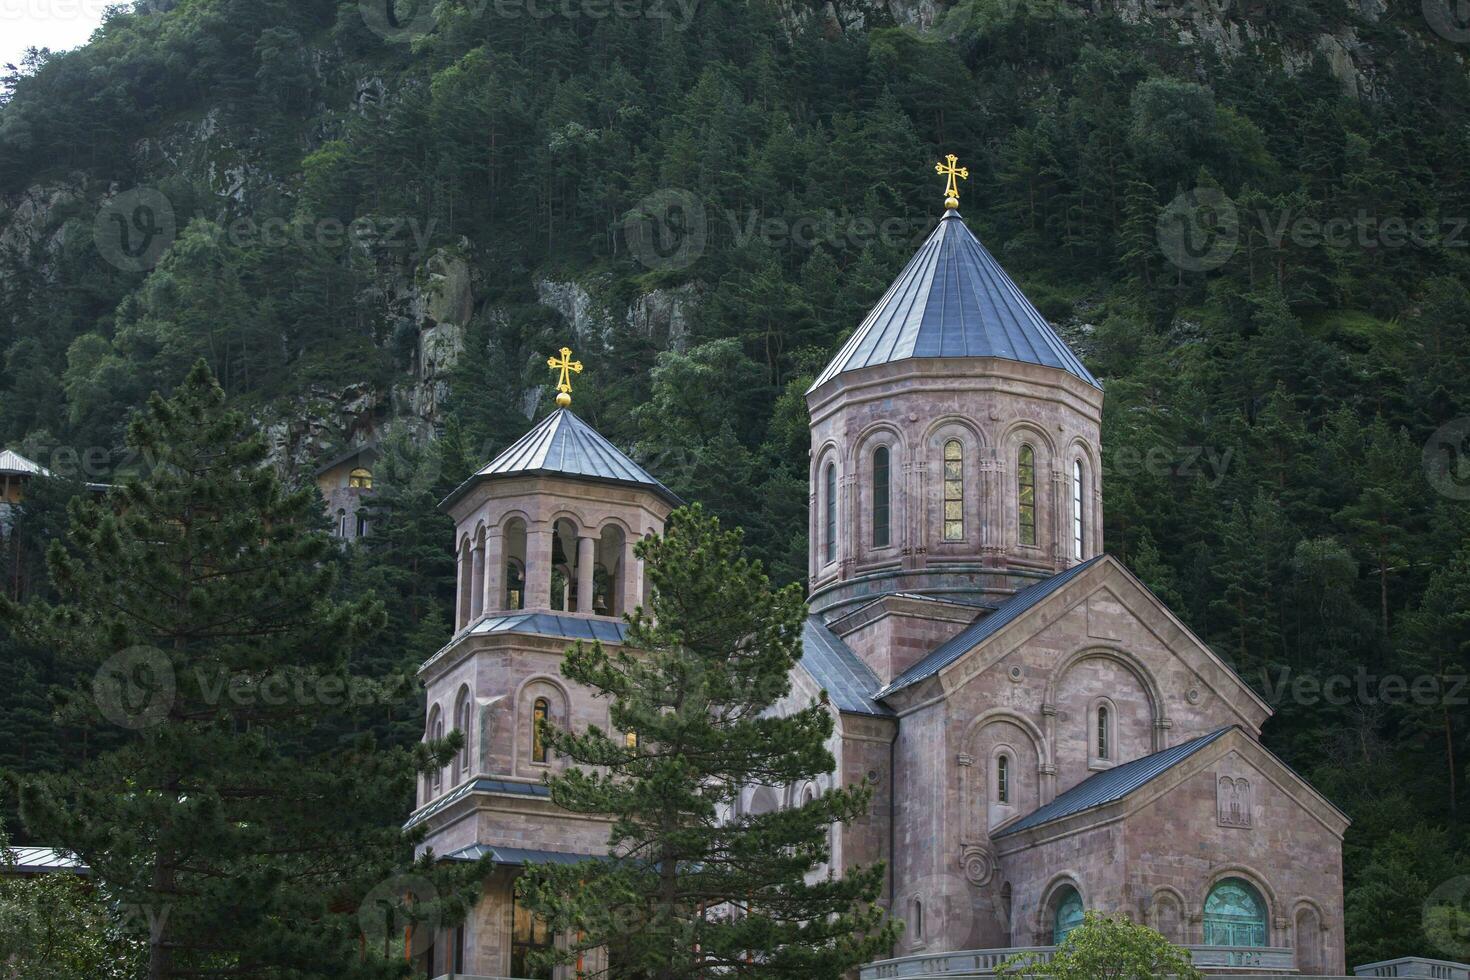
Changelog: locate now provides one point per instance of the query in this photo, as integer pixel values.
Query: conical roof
(563, 445)
(954, 300)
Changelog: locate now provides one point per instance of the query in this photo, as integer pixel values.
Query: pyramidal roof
(563, 445)
(954, 300)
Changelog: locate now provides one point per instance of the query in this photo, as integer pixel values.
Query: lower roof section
(504, 787)
(518, 856)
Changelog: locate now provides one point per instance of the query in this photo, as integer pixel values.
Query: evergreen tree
(700, 711)
(233, 822)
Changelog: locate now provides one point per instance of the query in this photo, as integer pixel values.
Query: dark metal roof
(848, 681)
(43, 860)
(517, 856)
(563, 445)
(552, 624)
(503, 786)
(983, 628)
(1113, 784)
(954, 300)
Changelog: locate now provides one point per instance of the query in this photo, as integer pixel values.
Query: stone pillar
(494, 583)
(631, 578)
(538, 566)
(1059, 506)
(586, 558)
(1047, 770)
(477, 580)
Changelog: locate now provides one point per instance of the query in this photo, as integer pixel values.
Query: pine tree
(232, 822)
(694, 888)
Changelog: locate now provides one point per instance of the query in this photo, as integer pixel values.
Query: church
(1044, 736)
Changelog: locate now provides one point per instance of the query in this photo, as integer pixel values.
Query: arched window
(829, 502)
(515, 586)
(362, 526)
(881, 532)
(1003, 779)
(954, 491)
(1104, 740)
(341, 523)
(1077, 523)
(435, 731)
(1068, 916)
(918, 922)
(1235, 915)
(462, 722)
(1006, 903)
(1026, 495)
(539, 714)
(360, 479)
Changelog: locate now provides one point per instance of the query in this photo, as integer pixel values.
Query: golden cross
(567, 367)
(952, 189)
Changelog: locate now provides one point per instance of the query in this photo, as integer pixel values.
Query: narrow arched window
(830, 503)
(1003, 779)
(881, 531)
(1103, 739)
(462, 722)
(918, 919)
(1077, 497)
(515, 586)
(1026, 495)
(341, 523)
(539, 714)
(954, 491)
(435, 731)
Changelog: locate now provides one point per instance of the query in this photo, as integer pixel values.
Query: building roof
(501, 786)
(368, 449)
(983, 628)
(563, 445)
(516, 856)
(849, 682)
(552, 624)
(954, 300)
(1112, 785)
(42, 860)
(13, 463)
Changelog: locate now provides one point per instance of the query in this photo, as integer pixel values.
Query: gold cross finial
(567, 367)
(952, 189)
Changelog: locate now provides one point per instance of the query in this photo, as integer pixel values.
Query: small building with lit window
(346, 483)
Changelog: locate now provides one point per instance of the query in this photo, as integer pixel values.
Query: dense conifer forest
(1287, 408)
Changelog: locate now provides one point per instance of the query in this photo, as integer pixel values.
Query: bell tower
(955, 452)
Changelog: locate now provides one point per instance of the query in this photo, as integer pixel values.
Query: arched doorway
(1235, 915)
(1066, 916)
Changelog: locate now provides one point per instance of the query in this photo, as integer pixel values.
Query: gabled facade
(1043, 736)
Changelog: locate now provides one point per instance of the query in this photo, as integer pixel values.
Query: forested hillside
(377, 226)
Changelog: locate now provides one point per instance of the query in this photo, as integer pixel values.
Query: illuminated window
(1077, 497)
(529, 934)
(1026, 495)
(360, 479)
(881, 533)
(630, 740)
(831, 512)
(539, 714)
(954, 491)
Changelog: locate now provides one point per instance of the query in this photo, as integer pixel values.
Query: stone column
(538, 566)
(477, 580)
(631, 578)
(1059, 507)
(586, 557)
(494, 583)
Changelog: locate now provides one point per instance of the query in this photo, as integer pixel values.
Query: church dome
(954, 300)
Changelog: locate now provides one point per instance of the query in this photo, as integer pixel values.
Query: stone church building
(1043, 734)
